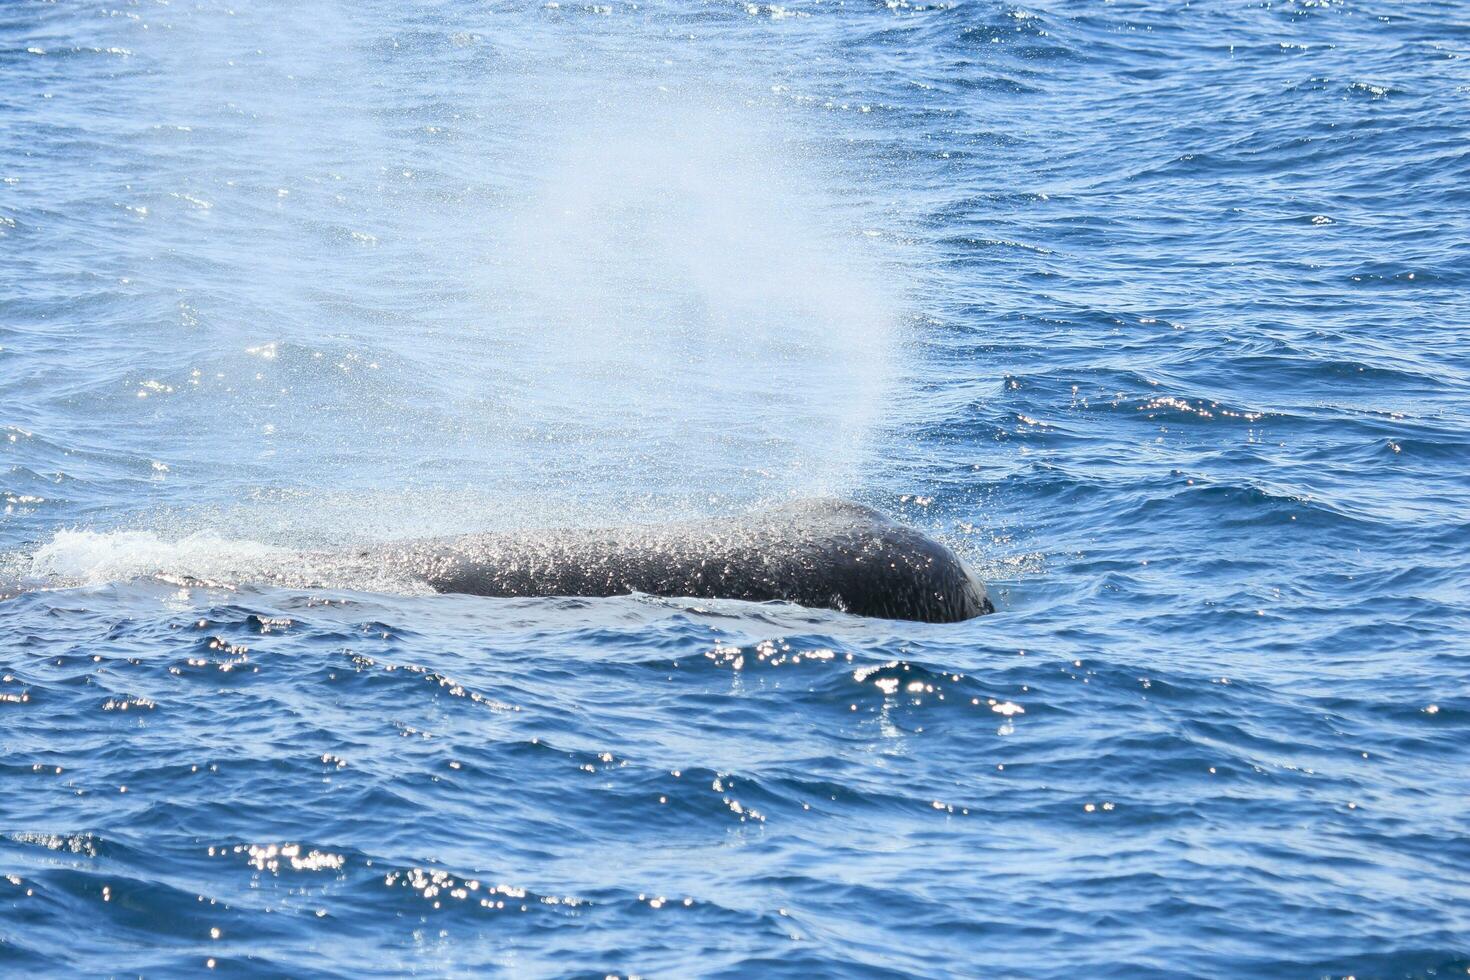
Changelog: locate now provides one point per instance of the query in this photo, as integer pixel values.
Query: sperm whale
(828, 554)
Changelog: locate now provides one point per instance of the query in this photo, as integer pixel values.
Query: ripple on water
(1177, 290)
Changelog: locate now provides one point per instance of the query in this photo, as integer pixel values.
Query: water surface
(1155, 311)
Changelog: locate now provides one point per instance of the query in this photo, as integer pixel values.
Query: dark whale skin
(826, 554)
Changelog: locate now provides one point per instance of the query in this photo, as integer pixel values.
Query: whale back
(819, 553)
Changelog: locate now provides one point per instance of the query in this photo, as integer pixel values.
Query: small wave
(97, 558)
(89, 558)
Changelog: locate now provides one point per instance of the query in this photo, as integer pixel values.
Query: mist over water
(413, 282)
(686, 312)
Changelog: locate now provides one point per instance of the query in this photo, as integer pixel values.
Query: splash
(89, 558)
(93, 558)
(685, 310)
(585, 283)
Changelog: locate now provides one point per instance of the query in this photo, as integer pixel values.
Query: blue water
(1156, 311)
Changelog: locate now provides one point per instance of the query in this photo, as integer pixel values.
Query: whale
(820, 553)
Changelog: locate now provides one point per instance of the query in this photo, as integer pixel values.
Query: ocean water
(1156, 311)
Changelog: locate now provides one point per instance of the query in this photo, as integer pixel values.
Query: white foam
(95, 558)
